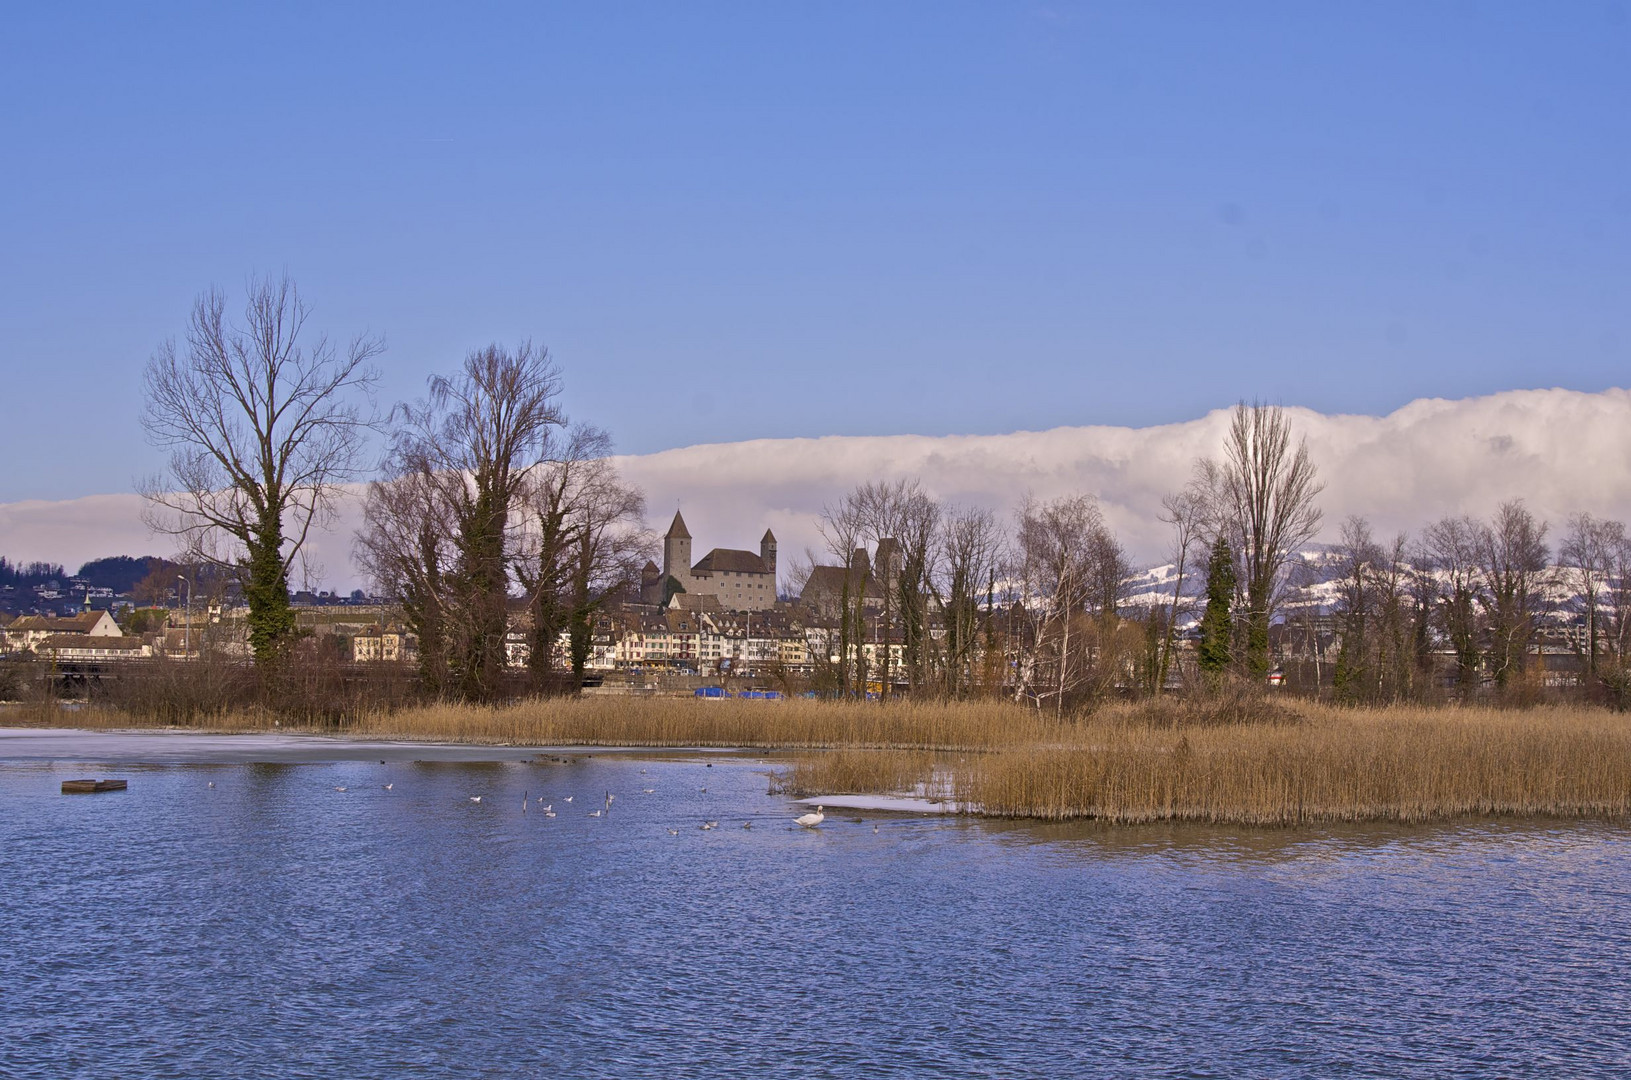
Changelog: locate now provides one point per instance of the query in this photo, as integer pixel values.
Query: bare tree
(1262, 492)
(1450, 548)
(1588, 556)
(970, 550)
(1358, 561)
(1186, 513)
(1056, 550)
(1513, 556)
(262, 425)
(917, 527)
(406, 548)
(479, 437)
(611, 543)
(553, 509)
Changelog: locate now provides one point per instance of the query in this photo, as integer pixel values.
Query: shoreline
(195, 746)
(1249, 763)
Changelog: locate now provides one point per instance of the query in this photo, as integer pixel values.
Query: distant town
(734, 616)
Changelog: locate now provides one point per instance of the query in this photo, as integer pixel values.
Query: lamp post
(187, 632)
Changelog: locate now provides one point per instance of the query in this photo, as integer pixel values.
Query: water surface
(275, 926)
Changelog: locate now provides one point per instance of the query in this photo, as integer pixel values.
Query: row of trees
(1484, 589)
(1059, 577)
(489, 500)
(484, 485)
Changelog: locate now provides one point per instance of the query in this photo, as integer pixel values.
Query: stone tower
(677, 552)
(767, 552)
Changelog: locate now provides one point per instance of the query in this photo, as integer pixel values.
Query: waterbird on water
(339, 789)
(810, 821)
(649, 790)
(569, 798)
(673, 832)
(212, 783)
(388, 787)
(594, 813)
(475, 798)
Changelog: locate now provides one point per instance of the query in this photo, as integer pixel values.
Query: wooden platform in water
(88, 787)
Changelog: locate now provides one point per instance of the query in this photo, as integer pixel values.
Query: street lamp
(187, 632)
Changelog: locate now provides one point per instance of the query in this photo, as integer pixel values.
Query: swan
(339, 789)
(810, 821)
(594, 813)
(569, 798)
(475, 798)
(388, 787)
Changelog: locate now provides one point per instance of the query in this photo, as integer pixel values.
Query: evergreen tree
(1215, 622)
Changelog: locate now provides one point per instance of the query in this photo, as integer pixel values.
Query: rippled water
(274, 926)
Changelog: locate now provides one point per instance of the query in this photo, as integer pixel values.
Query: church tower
(677, 552)
(767, 553)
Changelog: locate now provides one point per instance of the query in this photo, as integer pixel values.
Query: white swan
(475, 798)
(388, 787)
(810, 821)
(594, 813)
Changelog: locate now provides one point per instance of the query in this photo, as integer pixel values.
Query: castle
(741, 580)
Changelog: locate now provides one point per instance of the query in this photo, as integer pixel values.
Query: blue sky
(735, 221)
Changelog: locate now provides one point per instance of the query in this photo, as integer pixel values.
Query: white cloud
(1561, 450)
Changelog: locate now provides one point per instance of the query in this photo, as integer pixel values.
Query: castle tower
(767, 552)
(677, 551)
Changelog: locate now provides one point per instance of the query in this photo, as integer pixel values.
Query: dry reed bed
(1396, 764)
(1129, 763)
(612, 721)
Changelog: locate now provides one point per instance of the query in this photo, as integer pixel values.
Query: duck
(810, 821)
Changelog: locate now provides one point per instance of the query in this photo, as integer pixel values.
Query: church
(740, 580)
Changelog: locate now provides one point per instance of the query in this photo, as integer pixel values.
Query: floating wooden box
(87, 787)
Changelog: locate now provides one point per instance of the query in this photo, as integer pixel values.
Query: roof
(730, 560)
(768, 538)
(830, 580)
(677, 531)
(697, 602)
(59, 642)
(77, 624)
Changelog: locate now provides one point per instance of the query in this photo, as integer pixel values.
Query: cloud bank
(1560, 450)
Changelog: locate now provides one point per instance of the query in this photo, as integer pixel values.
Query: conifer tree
(1215, 623)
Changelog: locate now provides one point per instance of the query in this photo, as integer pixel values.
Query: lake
(272, 925)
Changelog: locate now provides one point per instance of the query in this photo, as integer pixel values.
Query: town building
(740, 580)
(27, 632)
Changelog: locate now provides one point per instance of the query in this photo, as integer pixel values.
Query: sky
(750, 221)
(1431, 458)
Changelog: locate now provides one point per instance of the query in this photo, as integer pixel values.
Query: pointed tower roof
(768, 537)
(677, 531)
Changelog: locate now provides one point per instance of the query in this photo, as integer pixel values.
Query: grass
(1230, 761)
